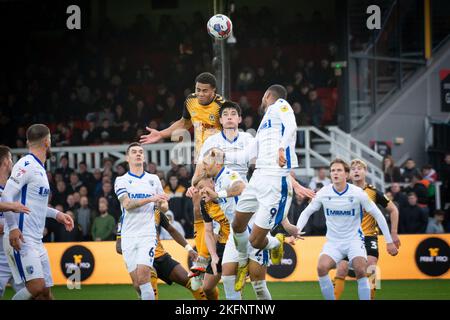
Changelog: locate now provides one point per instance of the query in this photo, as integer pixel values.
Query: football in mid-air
(219, 26)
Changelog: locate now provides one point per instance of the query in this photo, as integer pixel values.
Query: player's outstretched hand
(304, 192)
(396, 240)
(16, 239)
(281, 157)
(152, 137)
(66, 220)
(15, 207)
(191, 192)
(193, 255)
(392, 249)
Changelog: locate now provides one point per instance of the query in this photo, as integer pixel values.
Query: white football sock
(228, 286)
(22, 294)
(326, 286)
(147, 292)
(272, 243)
(261, 290)
(364, 289)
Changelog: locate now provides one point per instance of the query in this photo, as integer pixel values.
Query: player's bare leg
(210, 286)
(200, 244)
(339, 278)
(241, 237)
(45, 295)
(259, 240)
(180, 276)
(33, 289)
(258, 277)
(229, 271)
(325, 264)
(372, 275)
(142, 282)
(360, 266)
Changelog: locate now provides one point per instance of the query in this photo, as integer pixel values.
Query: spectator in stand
(184, 177)
(304, 95)
(429, 173)
(398, 195)
(435, 224)
(412, 218)
(152, 168)
(90, 135)
(321, 177)
(75, 183)
(420, 190)
(174, 188)
(292, 94)
(60, 196)
(141, 115)
(164, 235)
(160, 102)
(70, 203)
(317, 226)
(21, 137)
(61, 235)
(173, 169)
(410, 170)
(86, 178)
(104, 224)
(106, 132)
(126, 133)
(113, 203)
(119, 116)
(98, 181)
(121, 169)
(245, 79)
(324, 75)
(261, 79)
(171, 112)
(64, 169)
(298, 205)
(445, 176)
(391, 172)
(314, 109)
(85, 216)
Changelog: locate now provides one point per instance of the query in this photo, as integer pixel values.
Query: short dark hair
(206, 78)
(278, 90)
(134, 144)
(412, 193)
(37, 132)
(230, 105)
(338, 160)
(4, 151)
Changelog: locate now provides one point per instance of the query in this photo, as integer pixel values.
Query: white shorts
(339, 250)
(139, 250)
(231, 254)
(31, 262)
(269, 197)
(6, 276)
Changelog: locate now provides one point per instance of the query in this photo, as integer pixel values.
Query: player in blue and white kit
(139, 193)
(269, 192)
(6, 275)
(343, 205)
(27, 256)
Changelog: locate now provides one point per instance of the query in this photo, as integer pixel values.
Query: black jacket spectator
(412, 218)
(64, 169)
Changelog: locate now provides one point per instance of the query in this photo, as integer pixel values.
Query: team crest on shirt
(234, 176)
(152, 183)
(211, 117)
(130, 181)
(20, 172)
(27, 163)
(350, 199)
(29, 269)
(284, 108)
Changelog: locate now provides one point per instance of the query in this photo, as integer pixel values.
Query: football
(219, 26)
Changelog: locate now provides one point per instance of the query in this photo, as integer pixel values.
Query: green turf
(403, 289)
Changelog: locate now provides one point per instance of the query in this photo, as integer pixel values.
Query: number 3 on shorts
(373, 245)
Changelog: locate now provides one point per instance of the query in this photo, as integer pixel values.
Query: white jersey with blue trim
(29, 183)
(240, 143)
(343, 211)
(224, 180)
(138, 222)
(2, 222)
(278, 128)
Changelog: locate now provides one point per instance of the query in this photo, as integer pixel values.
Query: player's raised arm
(156, 135)
(373, 210)
(178, 237)
(312, 207)
(301, 190)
